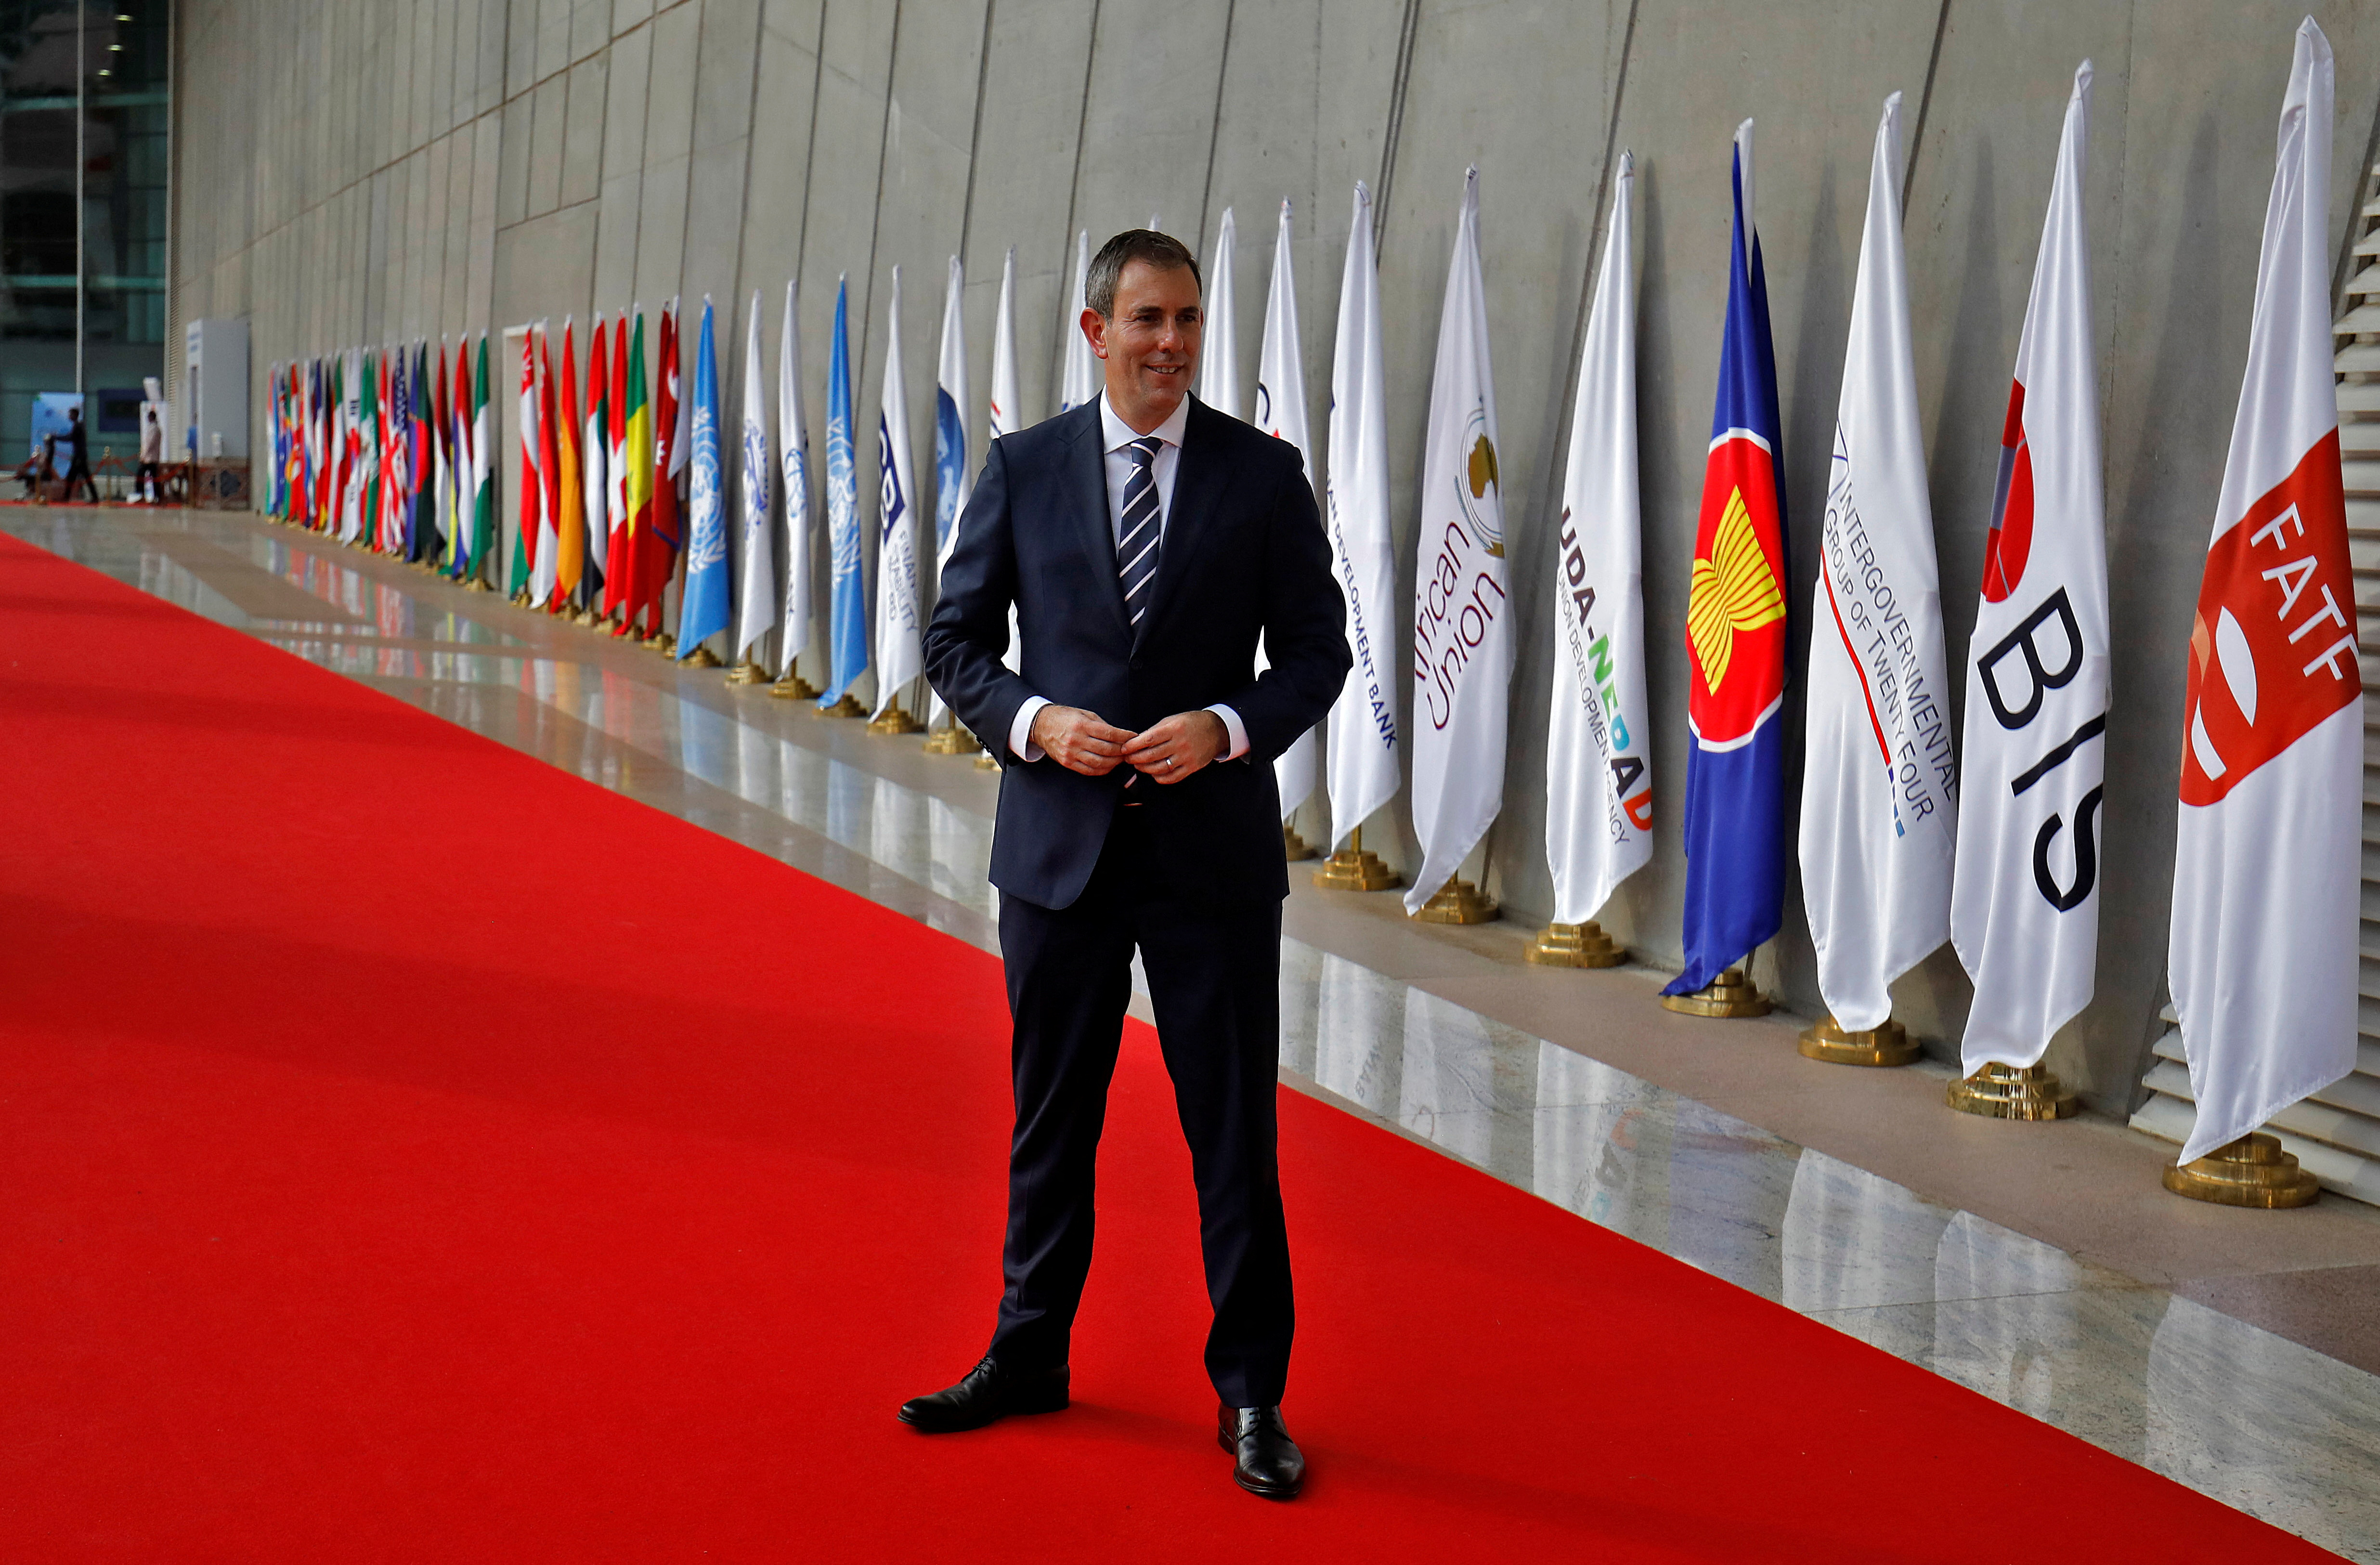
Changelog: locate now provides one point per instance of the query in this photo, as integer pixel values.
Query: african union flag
(1735, 826)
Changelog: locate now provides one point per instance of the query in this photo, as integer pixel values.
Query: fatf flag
(703, 611)
(848, 607)
(1735, 825)
(900, 651)
(1462, 619)
(2268, 859)
(1280, 413)
(1363, 759)
(1879, 784)
(2024, 903)
(1598, 752)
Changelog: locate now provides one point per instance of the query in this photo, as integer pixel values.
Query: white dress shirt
(1118, 462)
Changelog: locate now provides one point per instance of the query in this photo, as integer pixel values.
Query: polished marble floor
(1437, 1036)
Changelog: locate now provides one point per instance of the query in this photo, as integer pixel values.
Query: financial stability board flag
(953, 469)
(899, 646)
(846, 606)
(1219, 360)
(1735, 826)
(1362, 752)
(2267, 864)
(1462, 620)
(2024, 908)
(1280, 413)
(702, 610)
(1880, 784)
(1004, 412)
(1079, 382)
(1598, 767)
(755, 613)
(792, 450)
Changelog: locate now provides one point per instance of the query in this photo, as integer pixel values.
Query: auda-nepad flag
(2267, 861)
(1878, 779)
(1462, 622)
(1599, 775)
(2024, 906)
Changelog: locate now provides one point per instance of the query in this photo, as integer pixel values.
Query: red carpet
(411, 1152)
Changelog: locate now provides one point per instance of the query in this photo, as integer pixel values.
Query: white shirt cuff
(1020, 733)
(1235, 728)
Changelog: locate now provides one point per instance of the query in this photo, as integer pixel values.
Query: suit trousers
(1214, 980)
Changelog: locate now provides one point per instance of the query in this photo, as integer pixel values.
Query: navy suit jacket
(1243, 554)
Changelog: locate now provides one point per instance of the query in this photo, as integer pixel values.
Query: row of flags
(2264, 935)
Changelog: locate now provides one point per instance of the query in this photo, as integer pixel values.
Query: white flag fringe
(1363, 754)
(900, 643)
(1462, 621)
(2024, 904)
(1280, 413)
(758, 612)
(2267, 864)
(1879, 783)
(1598, 748)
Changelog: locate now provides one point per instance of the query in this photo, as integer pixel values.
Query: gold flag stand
(2012, 1092)
(1729, 995)
(1458, 902)
(1574, 945)
(473, 583)
(793, 687)
(701, 657)
(893, 721)
(985, 760)
(587, 617)
(1356, 868)
(1294, 847)
(2251, 1172)
(1888, 1045)
(950, 740)
(847, 707)
(747, 673)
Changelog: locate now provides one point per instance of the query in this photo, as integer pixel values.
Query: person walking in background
(1147, 542)
(79, 457)
(152, 455)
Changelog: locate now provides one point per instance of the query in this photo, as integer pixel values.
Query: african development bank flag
(1735, 828)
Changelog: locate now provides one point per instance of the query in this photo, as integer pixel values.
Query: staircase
(2336, 1133)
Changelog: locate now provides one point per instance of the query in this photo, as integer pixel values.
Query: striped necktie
(1138, 534)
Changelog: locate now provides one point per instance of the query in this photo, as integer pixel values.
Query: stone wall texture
(386, 170)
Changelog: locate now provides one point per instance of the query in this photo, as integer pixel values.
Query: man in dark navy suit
(1148, 543)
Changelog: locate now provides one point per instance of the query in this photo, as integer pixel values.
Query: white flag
(1219, 364)
(954, 464)
(1462, 622)
(1080, 382)
(1363, 757)
(1878, 779)
(900, 647)
(1007, 409)
(594, 465)
(1599, 767)
(2024, 910)
(1280, 413)
(792, 450)
(758, 608)
(2267, 866)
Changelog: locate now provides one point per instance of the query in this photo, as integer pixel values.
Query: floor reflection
(2248, 1417)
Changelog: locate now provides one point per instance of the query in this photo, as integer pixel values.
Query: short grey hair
(1162, 250)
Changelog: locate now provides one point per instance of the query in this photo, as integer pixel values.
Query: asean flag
(2267, 857)
(1735, 826)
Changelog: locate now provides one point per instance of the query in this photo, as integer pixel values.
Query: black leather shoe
(986, 1394)
(1269, 1463)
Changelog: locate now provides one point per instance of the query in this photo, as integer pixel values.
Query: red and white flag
(2024, 911)
(2268, 857)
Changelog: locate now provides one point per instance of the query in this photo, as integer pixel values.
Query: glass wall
(100, 67)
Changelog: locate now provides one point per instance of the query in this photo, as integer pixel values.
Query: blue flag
(703, 611)
(1735, 825)
(847, 619)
